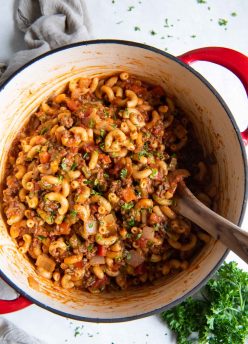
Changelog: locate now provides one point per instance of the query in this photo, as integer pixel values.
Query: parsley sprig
(222, 315)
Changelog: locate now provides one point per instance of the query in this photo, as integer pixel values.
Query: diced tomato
(140, 269)
(74, 149)
(139, 90)
(44, 157)
(101, 250)
(78, 265)
(72, 104)
(89, 147)
(105, 158)
(142, 242)
(153, 219)
(100, 283)
(64, 228)
(36, 186)
(128, 194)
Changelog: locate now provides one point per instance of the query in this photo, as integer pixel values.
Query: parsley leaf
(221, 317)
(131, 222)
(41, 237)
(102, 132)
(123, 173)
(92, 123)
(136, 28)
(154, 173)
(85, 155)
(73, 166)
(130, 8)
(127, 206)
(43, 131)
(73, 213)
(90, 247)
(222, 22)
(64, 165)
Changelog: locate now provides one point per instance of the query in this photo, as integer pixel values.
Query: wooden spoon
(218, 227)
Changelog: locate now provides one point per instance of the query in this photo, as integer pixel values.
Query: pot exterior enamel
(215, 128)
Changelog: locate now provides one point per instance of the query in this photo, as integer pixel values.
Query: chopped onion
(91, 227)
(135, 258)
(97, 260)
(110, 221)
(148, 233)
(46, 263)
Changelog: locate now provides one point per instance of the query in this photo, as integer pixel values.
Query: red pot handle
(9, 306)
(231, 59)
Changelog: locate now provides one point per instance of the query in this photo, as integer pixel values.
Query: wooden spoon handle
(221, 229)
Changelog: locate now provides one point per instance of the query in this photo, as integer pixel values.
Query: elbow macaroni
(90, 189)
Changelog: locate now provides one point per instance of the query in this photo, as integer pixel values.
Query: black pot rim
(243, 152)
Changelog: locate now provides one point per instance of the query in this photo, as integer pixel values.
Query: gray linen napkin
(10, 334)
(47, 24)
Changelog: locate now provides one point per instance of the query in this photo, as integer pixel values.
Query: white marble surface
(117, 19)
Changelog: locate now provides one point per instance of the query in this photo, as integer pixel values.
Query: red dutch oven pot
(23, 92)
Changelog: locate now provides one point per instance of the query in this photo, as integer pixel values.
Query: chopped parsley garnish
(131, 222)
(136, 28)
(234, 14)
(43, 131)
(119, 22)
(193, 36)
(221, 316)
(201, 1)
(123, 173)
(144, 151)
(105, 175)
(85, 155)
(94, 192)
(88, 182)
(102, 132)
(138, 193)
(138, 236)
(166, 23)
(41, 237)
(154, 173)
(91, 225)
(114, 125)
(106, 113)
(222, 22)
(128, 256)
(64, 165)
(153, 33)
(73, 213)
(127, 206)
(92, 123)
(173, 155)
(78, 331)
(102, 145)
(60, 178)
(130, 8)
(73, 166)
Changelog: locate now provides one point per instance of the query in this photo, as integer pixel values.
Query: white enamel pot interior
(218, 133)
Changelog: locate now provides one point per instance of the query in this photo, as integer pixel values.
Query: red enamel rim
(232, 60)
